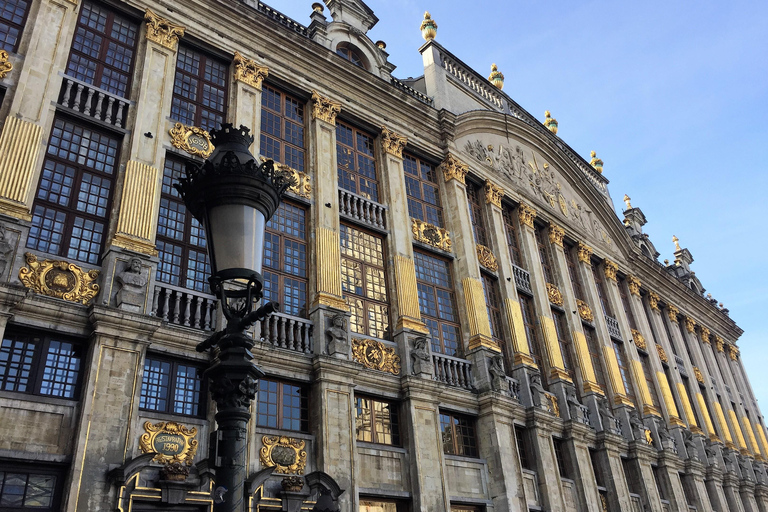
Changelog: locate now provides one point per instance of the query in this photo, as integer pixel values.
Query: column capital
(454, 169)
(610, 270)
(324, 108)
(527, 215)
(556, 234)
(705, 335)
(248, 71)
(653, 300)
(585, 253)
(493, 194)
(392, 143)
(672, 312)
(690, 324)
(162, 31)
(634, 285)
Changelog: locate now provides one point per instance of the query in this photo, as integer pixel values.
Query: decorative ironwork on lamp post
(233, 198)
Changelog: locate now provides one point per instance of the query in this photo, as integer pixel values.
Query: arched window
(352, 55)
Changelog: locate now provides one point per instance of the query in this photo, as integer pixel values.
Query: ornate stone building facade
(466, 324)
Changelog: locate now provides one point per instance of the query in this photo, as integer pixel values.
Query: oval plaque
(171, 441)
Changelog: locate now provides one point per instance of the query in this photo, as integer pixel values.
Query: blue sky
(673, 96)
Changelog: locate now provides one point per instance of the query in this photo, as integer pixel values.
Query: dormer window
(350, 54)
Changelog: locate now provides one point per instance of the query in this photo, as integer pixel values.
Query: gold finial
(317, 7)
(381, 44)
(677, 243)
(496, 78)
(428, 27)
(666, 262)
(550, 123)
(627, 200)
(596, 162)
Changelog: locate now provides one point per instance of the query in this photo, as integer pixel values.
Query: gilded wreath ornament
(285, 454)
(392, 143)
(5, 65)
(60, 279)
(556, 234)
(638, 338)
(375, 355)
(554, 294)
(191, 139)
(585, 312)
(171, 441)
(486, 258)
(430, 234)
(527, 214)
(248, 71)
(324, 108)
(162, 31)
(454, 169)
(493, 194)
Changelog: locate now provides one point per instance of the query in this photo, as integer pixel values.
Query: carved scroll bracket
(430, 234)
(60, 279)
(375, 355)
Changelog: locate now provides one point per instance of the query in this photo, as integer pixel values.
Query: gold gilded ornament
(375, 355)
(454, 169)
(248, 71)
(585, 253)
(493, 194)
(690, 324)
(550, 123)
(556, 234)
(162, 31)
(285, 454)
(662, 354)
(596, 163)
(676, 241)
(486, 258)
(648, 436)
(191, 139)
(5, 65)
(392, 143)
(585, 312)
(719, 343)
(634, 285)
(527, 214)
(705, 335)
(496, 77)
(672, 313)
(60, 279)
(324, 109)
(300, 181)
(555, 297)
(638, 339)
(171, 441)
(698, 374)
(653, 300)
(553, 407)
(610, 270)
(431, 234)
(428, 27)
(733, 351)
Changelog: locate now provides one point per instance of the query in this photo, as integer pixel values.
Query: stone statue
(665, 438)
(638, 427)
(336, 334)
(538, 393)
(690, 446)
(421, 360)
(607, 417)
(576, 409)
(133, 282)
(498, 376)
(5, 251)
(730, 465)
(759, 472)
(744, 466)
(709, 449)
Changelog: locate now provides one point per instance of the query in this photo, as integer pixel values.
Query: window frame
(476, 213)
(423, 178)
(593, 346)
(202, 402)
(523, 448)
(564, 340)
(20, 27)
(285, 120)
(625, 371)
(36, 469)
(494, 306)
(469, 424)
(545, 257)
(354, 174)
(438, 341)
(602, 294)
(205, 56)
(625, 303)
(512, 236)
(394, 421)
(573, 272)
(305, 395)
(645, 362)
(528, 309)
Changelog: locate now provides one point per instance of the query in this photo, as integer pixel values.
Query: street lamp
(233, 198)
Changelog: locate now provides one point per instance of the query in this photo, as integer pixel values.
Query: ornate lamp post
(233, 198)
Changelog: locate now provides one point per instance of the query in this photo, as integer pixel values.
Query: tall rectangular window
(437, 302)
(513, 242)
(422, 191)
(40, 364)
(493, 307)
(621, 357)
(282, 128)
(356, 163)
(524, 449)
(625, 304)
(561, 455)
(458, 434)
(13, 16)
(476, 213)
(282, 405)
(573, 272)
(594, 354)
(285, 259)
(364, 282)
(172, 386)
(199, 89)
(377, 421)
(104, 49)
(648, 374)
(74, 195)
(564, 340)
(180, 237)
(544, 256)
(531, 332)
(600, 284)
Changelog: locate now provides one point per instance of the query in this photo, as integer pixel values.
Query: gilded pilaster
(686, 403)
(707, 418)
(642, 385)
(328, 274)
(19, 147)
(409, 316)
(723, 425)
(136, 226)
(617, 384)
(751, 435)
(522, 354)
(479, 324)
(739, 434)
(666, 393)
(763, 441)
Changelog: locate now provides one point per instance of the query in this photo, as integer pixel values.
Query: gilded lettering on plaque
(191, 139)
(60, 279)
(375, 355)
(285, 454)
(171, 441)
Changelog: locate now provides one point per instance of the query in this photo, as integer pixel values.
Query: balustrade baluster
(198, 305)
(99, 101)
(87, 110)
(187, 303)
(291, 344)
(155, 299)
(305, 336)
(166, 300)
(119, 118)
(108, 117)
(67, 92)
(78, 97)
(281, 331)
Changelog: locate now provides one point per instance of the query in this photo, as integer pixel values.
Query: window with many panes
(562, 458)
(13, 15)
(648, 374)
(355, 160)
(180, 238)
(531, 332)
(369, 504)
(493, 307)
(625, 304)
(282, 405)
(458, 434)
(600, 284)
(363, 281)
(377, 421)
(104, 49)
(199, 89)
(573, 273)
(172, 386)
(544, 256)
(513, 242)
(422, 191)
(282, 128)
(594, 354)
(621, 359)
(40, 364)
(74, 195)
(564, 340)
(285, 259)
(437, 302)
(474, 193)
(524, 449)
(30, 487)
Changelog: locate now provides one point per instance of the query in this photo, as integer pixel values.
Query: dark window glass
(458, 434)
(531, 332)
(74, 195)
(597, 468)
(625, 304)
(600, 284)
(564, 340)
(561, 456)
(282, 128)
(103, 49)
(493, 307)
(285, 259)
(27, 487)
(13, 15)
(422, 191)
(199, 89)
(513, 242)
(648, 373)
(351, 55)
(573, 273)
(594, 354)
(621, 358)
(546, 261)
(40, 364)
(665, 320)
(476, 213)
(523, 449)
(377, 421)
(355, 160)
(180, 238)
(363, 281)
(282, 405)
(630, 473)
(437, 302)
(172, 386)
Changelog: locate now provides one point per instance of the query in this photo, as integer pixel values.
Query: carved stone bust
(421, 360)
(498, 376)
(133, 282)
(338, 340)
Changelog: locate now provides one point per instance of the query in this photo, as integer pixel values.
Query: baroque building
(466, 324)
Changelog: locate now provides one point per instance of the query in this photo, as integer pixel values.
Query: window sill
(381, 447)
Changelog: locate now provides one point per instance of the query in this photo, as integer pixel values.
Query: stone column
(671, 466)
(111, 378)
(30, 115)
(577, 436)
(709, 357)
(541, 425)
(641, 456)
(608, 456)
(714, 482)
(731, 489)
